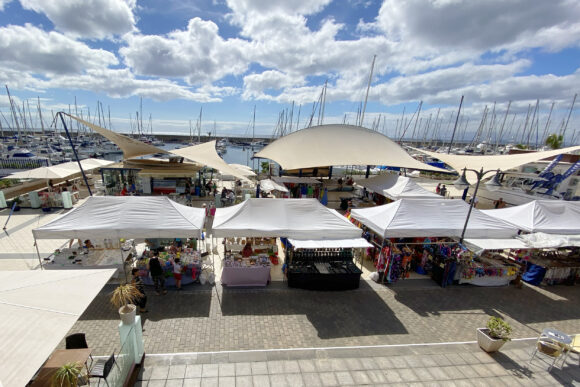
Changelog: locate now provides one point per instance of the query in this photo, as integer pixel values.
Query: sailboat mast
(568, 119)
(362, 117)
(254, 124)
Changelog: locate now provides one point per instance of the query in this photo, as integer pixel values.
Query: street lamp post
(462, 183)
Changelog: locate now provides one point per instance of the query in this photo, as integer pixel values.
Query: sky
(169, 60)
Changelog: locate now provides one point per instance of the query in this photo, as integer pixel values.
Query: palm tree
(555, 141)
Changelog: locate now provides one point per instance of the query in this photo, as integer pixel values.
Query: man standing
(157, 275)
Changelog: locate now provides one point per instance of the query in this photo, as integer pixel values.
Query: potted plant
(492, 338)
(67, 375)
(123, 297)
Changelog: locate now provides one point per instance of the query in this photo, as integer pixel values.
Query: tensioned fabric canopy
(501, 162)
(541, 240)
(60, 171)
(243, 169)
(337, 144)
(397, 187)
(431, 218)
(206, 154)
(295, 180)
(130, 147)
(268, 185)
(549, 216)
(125, 217)
(38, 309)
(329, 244)
(290, 218)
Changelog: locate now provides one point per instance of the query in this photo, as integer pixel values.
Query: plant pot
(127, 314)
(487, 343)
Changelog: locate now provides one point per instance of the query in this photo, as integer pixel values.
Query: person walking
(138, 283)
(156, 271)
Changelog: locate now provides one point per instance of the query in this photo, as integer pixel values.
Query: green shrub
(499, 329)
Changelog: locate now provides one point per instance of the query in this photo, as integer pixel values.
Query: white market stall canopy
(501, 162)
(480, 245)
(408, 218)
(38, 309)
(295, 180)
(290, 218)
(397, 187)
(540, 240)
(268, 185)
(549, 216)
(205, 154)
(125, 217)
(337, 144)
(329, 244)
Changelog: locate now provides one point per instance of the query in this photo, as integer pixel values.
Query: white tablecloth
(246, 276)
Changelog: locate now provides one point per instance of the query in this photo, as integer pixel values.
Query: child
(177, 272)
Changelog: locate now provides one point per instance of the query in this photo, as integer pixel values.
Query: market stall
(271, 218)
(422, 236)
(109, 219)
(397, 187)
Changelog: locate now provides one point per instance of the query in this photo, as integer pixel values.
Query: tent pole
(123, 262)
(38, 253)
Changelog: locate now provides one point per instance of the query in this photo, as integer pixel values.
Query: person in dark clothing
(156, 271)
(138, 283)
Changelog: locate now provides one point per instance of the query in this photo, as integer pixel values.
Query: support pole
(479, 177)
(75, 153)
(368, 172)
(38, 253)
(123, 261)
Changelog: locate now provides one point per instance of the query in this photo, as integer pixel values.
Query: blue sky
(227, 56)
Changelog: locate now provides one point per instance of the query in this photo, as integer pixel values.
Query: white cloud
(3, 3)
(87, 18)
(197, 54)
(31, 49)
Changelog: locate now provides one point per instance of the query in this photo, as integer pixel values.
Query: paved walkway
(422, 365)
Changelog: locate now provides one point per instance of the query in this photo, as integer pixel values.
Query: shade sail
(549, 216)
(501, 162)
(431, 218)
(206, 154)
(336, 144)
(268, 185)
(290, 218)
(60, 171)
(295, 180)
(38, 309)
(129, 146)
(397, 187)
(329, 244)
(244, 170)
(125, 217)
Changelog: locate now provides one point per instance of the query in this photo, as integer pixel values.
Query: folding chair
(103, 368)
(549, 348)
(77, 341)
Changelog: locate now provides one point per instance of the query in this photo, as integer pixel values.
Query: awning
(38, 309)
(480, 245)
(329, 244)
(397, 187)
(336, 144)
(60, 171)
(205, 154)
(130, 147)
(243, 169)
(501, 162)
(268, 185)
(295, 180)
(541, 240)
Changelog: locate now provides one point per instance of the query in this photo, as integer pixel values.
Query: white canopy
(60, 171)
(397, 187)
(329, 244)
(37, 312)
(337, 144)
(130, 147)
(295, 180)
(268, 185)
(243, 169)
(125, 217)
(549, 216)
(480, 245)
(205, 154)
(431, 218)
(501, 162)
(290, 218)
(540, 240)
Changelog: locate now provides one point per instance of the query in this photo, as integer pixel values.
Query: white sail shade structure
(38, 309)
(60, 171)
(494, 162)
(125, 217)
(408, 218)
(397, 187)
(291, 218)
(268, 185)
(336, 144)
(548, 216)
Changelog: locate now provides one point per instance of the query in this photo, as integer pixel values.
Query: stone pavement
(420, 365)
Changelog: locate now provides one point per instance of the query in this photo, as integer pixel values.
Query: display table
(487, 271)
(191, 268)
(89, 259)
(59, 358)
(246, 276)
(323, 269)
